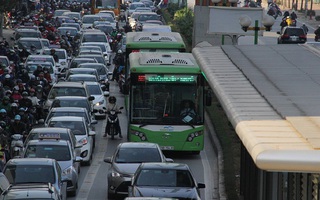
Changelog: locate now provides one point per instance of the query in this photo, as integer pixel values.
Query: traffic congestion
(59, 73)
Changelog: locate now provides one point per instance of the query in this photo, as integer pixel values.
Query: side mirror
(107, 160)
(91, 98)
(94, 122)
(121, 108)
(278, 32)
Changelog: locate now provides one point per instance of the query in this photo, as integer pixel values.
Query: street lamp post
(245, 23)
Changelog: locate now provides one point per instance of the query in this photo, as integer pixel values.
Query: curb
(220, 192)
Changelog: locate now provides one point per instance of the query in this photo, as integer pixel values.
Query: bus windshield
(163, 103)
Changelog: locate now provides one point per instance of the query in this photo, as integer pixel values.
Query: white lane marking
(208, 177)
(88, 181)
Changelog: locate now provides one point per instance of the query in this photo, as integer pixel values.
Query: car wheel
(72, 193)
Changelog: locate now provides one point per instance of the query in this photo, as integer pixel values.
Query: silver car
(124, 162)
(61, 151)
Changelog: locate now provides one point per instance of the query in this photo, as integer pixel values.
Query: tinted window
(71, 103)
(82, 78)
(94, 90)
(165, 177)
(57, 152)
(76, 114)
(136, 155)
(77, 127)
(67, 91)
(294, 31)
(94, 38)
(30, 174)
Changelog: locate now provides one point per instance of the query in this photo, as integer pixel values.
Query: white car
(105, 48)
(100, 101)
(63, 58)
(82, 132)
(87, 20)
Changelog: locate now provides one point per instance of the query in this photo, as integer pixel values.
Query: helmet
(17, 117)
(32, 90)
(52, 50)
(7, 76)
(25, 93)
(3, 111)
(6, 98)
(3, 124)
(120, 51)
(22, 109)
(14, 105)
(112, 99)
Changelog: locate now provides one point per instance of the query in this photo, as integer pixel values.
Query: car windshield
(145, 17)
(60, 54)
(28, 44)
(98, 58)
(294, 31)
(30, 174)
(71, 103)
(66, 91)
(91, 72)
(94, 90)
(57, 152)
(94, 38)
(77, 127)
(102, 46)
(90, 20)
(165, 178)
(75, 63)
(63, 31)
(100, 69)
(31, 67)
(71, 25)
(137, 155)
(41, 59)
(134, 6)
(33, 34)
(76, 114)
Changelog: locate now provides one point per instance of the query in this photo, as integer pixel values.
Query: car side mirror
(91, 98)
(94, 122)
(201, 185)
(169, 160)
(107, 160)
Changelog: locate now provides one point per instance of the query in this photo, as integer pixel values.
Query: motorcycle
(317, 38)
(112, 121)
(274, 10)
(16, 144)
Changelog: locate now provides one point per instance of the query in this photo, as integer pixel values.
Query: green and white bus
(154, 42)
(161, 85)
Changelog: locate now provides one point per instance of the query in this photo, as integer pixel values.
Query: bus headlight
(191, 136)
(141, 135)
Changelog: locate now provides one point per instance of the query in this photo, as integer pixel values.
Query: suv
(292, 35)
(36, 170)
(82, 132)
(66, 89)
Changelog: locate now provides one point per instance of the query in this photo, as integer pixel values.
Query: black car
(292, 35)
(164, 180)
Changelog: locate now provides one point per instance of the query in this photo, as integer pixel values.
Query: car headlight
(115, 174)
(100, 103)
(83, 141)
(68, 171)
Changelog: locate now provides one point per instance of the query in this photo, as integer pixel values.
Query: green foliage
(7, 5)
(183, 20)
(311, 13)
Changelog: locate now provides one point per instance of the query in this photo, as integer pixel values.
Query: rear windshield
(294, 31)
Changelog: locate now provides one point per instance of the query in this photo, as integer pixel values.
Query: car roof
(27, 30)
(31, 191)
(56, 142)
(138, 145)
(89, 64)
(29, 39)
(98, 32)
(82, 75)
(68, 84)
(82, 69)
(68, 27)
(68, 109)
(92, 83)
(31, 161)
(77, 58)
(165, 165)
(49, 130)
(70, 98)
(67, 118)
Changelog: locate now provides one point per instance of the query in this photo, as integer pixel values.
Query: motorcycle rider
(127, 28)
(317, 31)
(54, 55)
(25, 101)
(18, 127)
(112, 106)
(33, 50)
(305, 28)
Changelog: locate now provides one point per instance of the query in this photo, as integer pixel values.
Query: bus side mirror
(208, 98)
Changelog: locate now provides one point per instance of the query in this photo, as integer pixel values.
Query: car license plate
(167, 147)
(293, 38)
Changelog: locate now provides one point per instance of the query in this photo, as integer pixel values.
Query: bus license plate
(167, 147)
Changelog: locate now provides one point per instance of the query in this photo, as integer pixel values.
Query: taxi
(51, 146)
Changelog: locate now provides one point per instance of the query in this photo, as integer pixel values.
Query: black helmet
(3, 124)
(112, 99)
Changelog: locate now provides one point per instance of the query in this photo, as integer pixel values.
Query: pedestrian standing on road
(305, 28)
